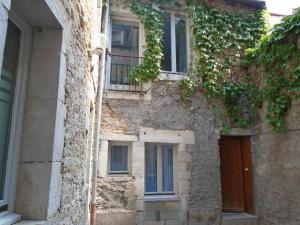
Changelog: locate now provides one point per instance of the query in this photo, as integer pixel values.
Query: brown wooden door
(236, 174)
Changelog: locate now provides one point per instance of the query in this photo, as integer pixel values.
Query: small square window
(119, 158)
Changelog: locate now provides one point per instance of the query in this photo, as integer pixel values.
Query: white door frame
(15, 139)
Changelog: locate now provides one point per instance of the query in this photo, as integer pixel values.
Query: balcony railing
(121, 66)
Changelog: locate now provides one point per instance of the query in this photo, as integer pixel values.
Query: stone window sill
(27, 222)
(110, 94)
(171, 76)
(118, 178)
(161, 198)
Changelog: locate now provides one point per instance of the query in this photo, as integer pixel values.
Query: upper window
(174, 44)
(124, 50)
(159, 169)
(119, 160)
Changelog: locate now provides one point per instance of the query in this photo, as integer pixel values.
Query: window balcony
(120, 68)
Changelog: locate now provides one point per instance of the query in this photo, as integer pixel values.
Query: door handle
(246, 169)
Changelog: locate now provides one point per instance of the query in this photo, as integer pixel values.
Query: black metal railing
(121, 66)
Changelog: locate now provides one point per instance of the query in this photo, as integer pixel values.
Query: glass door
(7, 90)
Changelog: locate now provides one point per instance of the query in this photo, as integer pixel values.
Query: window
(174, 44)
(124, 50)
(7, 90)
(119, 158)
(159, 169)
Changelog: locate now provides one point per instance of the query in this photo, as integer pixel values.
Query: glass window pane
(7, 83)
(181, 44)
(151, 168)
(119, 158)
(167, 168)
(124, 50)
(166, 63)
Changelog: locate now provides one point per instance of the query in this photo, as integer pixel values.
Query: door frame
(18, 108)
(247, 172)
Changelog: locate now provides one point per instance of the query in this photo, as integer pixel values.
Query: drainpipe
(98, 120)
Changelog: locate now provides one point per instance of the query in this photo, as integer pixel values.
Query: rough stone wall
(205, 199)
(116, 193)
(166, 111)
(276, 158)
(116, 201)
(78, 22)
(76, 18)
(169, 212)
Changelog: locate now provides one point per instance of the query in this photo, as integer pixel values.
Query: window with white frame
(174, 44)
(8, 78)
(119, 158)
(159, 169)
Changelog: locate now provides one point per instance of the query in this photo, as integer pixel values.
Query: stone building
(162, 162)
(159, 159)
(49, 54)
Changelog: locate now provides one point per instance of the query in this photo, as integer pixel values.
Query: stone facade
(51, 149)
(198, 177)
(276, 162)
(57, 91)
(159, 110)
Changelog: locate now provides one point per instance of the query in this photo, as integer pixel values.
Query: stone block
(150, 215)
(239, 219)
(172, 222)
(167, 136)
(55, 189)
(28, 222)
(33, 190)
(116, 217)
(170, 214)
(155, 206)
(154, 222)
(200, 216)
(59, 131)
(184, 156)
(103, 158)
(172, 205)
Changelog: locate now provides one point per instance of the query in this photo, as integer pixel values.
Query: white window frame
(159, 171)
(125, 18)
(16, 127)
(129, 157)
(173, 43)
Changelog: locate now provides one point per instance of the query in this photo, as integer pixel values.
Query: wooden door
(236, 174)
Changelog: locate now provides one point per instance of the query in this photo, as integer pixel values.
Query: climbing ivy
(151, 16)
(279, 56)
(220, 38)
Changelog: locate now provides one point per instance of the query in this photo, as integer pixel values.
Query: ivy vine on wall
(151, 16)
(220, 38)
(278, 53)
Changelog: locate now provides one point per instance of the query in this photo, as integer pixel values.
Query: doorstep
(238, 219)
(7, 218)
